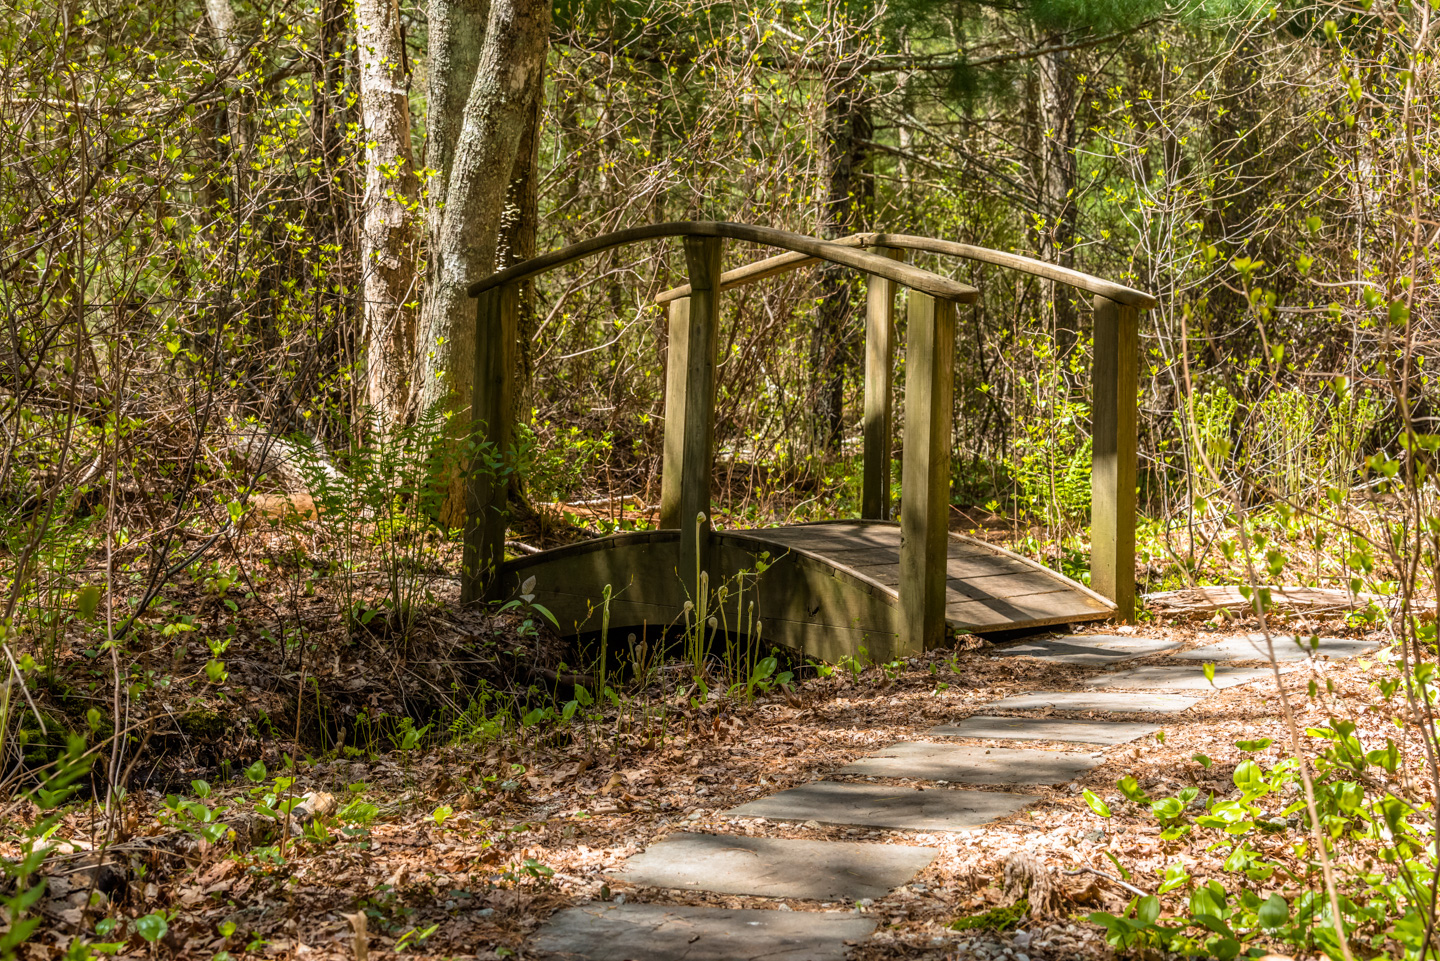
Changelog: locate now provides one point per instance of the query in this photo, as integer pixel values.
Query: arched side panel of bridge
(830, 588)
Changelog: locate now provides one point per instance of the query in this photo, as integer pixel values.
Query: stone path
(846, 871)
(777, 867)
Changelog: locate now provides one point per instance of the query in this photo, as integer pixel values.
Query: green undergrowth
(1004, 918)
(1377, 831)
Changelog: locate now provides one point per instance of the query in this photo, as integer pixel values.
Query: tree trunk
(222, 23)
(388, 233)
(1058, 101)
(837, 209)
(475, 139)
(518, 229)
(221, 18)
(328, 126)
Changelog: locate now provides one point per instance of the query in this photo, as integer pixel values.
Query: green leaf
(1147, 909)
(1210, 673)
(1131, 789)
(256, 772)
(87, 601)
(152, 927)
(1166, 808)
(1175, 876)
(1274, 912)
(1096, 805)
(545, 612)
(1248, 776)
(1259, 744)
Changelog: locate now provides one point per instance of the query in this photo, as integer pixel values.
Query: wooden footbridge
(831, 587)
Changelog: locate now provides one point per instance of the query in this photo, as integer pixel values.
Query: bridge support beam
(690, 409)
(486, 516)
(879, 363)
(1112, 476)
(925, 472)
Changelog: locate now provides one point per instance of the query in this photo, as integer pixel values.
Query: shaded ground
(468, 847)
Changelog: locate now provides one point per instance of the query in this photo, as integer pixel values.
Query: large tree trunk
(477, 123)
(519, 227)
(837, 213)
(387, 245)
(1058, 101)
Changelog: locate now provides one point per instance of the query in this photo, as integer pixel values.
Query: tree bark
(518, 231)
(837, 210)
(475, 140)
(388, 232)
(221, 17)
(1058, 101)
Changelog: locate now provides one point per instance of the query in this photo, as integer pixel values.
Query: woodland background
(232, 231)
(234, 239)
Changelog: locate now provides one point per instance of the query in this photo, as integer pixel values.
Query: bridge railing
(1114, 374)
(690, 404)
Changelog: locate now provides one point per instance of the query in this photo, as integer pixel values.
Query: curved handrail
(808, 249)
(784, 263)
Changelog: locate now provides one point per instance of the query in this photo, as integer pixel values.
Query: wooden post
(879, 362)
(1112, 475)
(690, 407)
(486, 516)
(925, 472)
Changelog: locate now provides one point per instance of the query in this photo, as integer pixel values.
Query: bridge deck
(987, 588)
(827, 588)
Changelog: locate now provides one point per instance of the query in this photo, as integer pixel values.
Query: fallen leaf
(360, 943)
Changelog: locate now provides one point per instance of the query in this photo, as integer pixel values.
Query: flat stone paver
(1176, 677)
(1095, 701)
(1085, 648)
(883, 806)
(654, 932)
(1253, 648)
(776, 867)
(931, 761)
(1046, 729)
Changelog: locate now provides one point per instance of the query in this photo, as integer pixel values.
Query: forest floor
(463, 849)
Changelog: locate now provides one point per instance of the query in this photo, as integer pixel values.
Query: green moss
(996, 919)
(39, 747)
(202, 724)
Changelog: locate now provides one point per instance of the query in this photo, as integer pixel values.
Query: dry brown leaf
(360, 943)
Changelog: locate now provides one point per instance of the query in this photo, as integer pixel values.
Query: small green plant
(195, 817)
(24, 891)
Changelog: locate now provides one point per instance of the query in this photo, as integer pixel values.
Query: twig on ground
(1108, 877)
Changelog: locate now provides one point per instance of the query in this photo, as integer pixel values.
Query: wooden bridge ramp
(828, 588)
